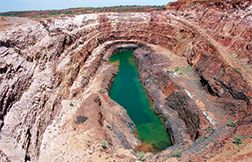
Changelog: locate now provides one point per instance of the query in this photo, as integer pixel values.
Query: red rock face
(194, 60)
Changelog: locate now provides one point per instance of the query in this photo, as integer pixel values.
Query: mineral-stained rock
(187, 111)
(194, 60)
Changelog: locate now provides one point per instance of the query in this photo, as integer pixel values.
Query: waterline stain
(128, 91)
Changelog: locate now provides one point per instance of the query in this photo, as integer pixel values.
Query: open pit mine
(171, 84)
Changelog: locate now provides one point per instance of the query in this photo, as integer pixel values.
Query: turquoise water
(128, 91)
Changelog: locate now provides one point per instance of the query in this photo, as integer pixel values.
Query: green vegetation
(238, 70)
(140, 155)
(40, 14)
(237, 140)
(205, 137)
(176, 153)
(231, 123)
(104, 144)
(54, 13)
(71, 11)
(210, 129)
(36, 16)
(183, 70)
(176, 69)
(11, 14)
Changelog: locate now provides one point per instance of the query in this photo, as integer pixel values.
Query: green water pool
(128, 91)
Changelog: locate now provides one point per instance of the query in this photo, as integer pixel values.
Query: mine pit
(128, 91)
